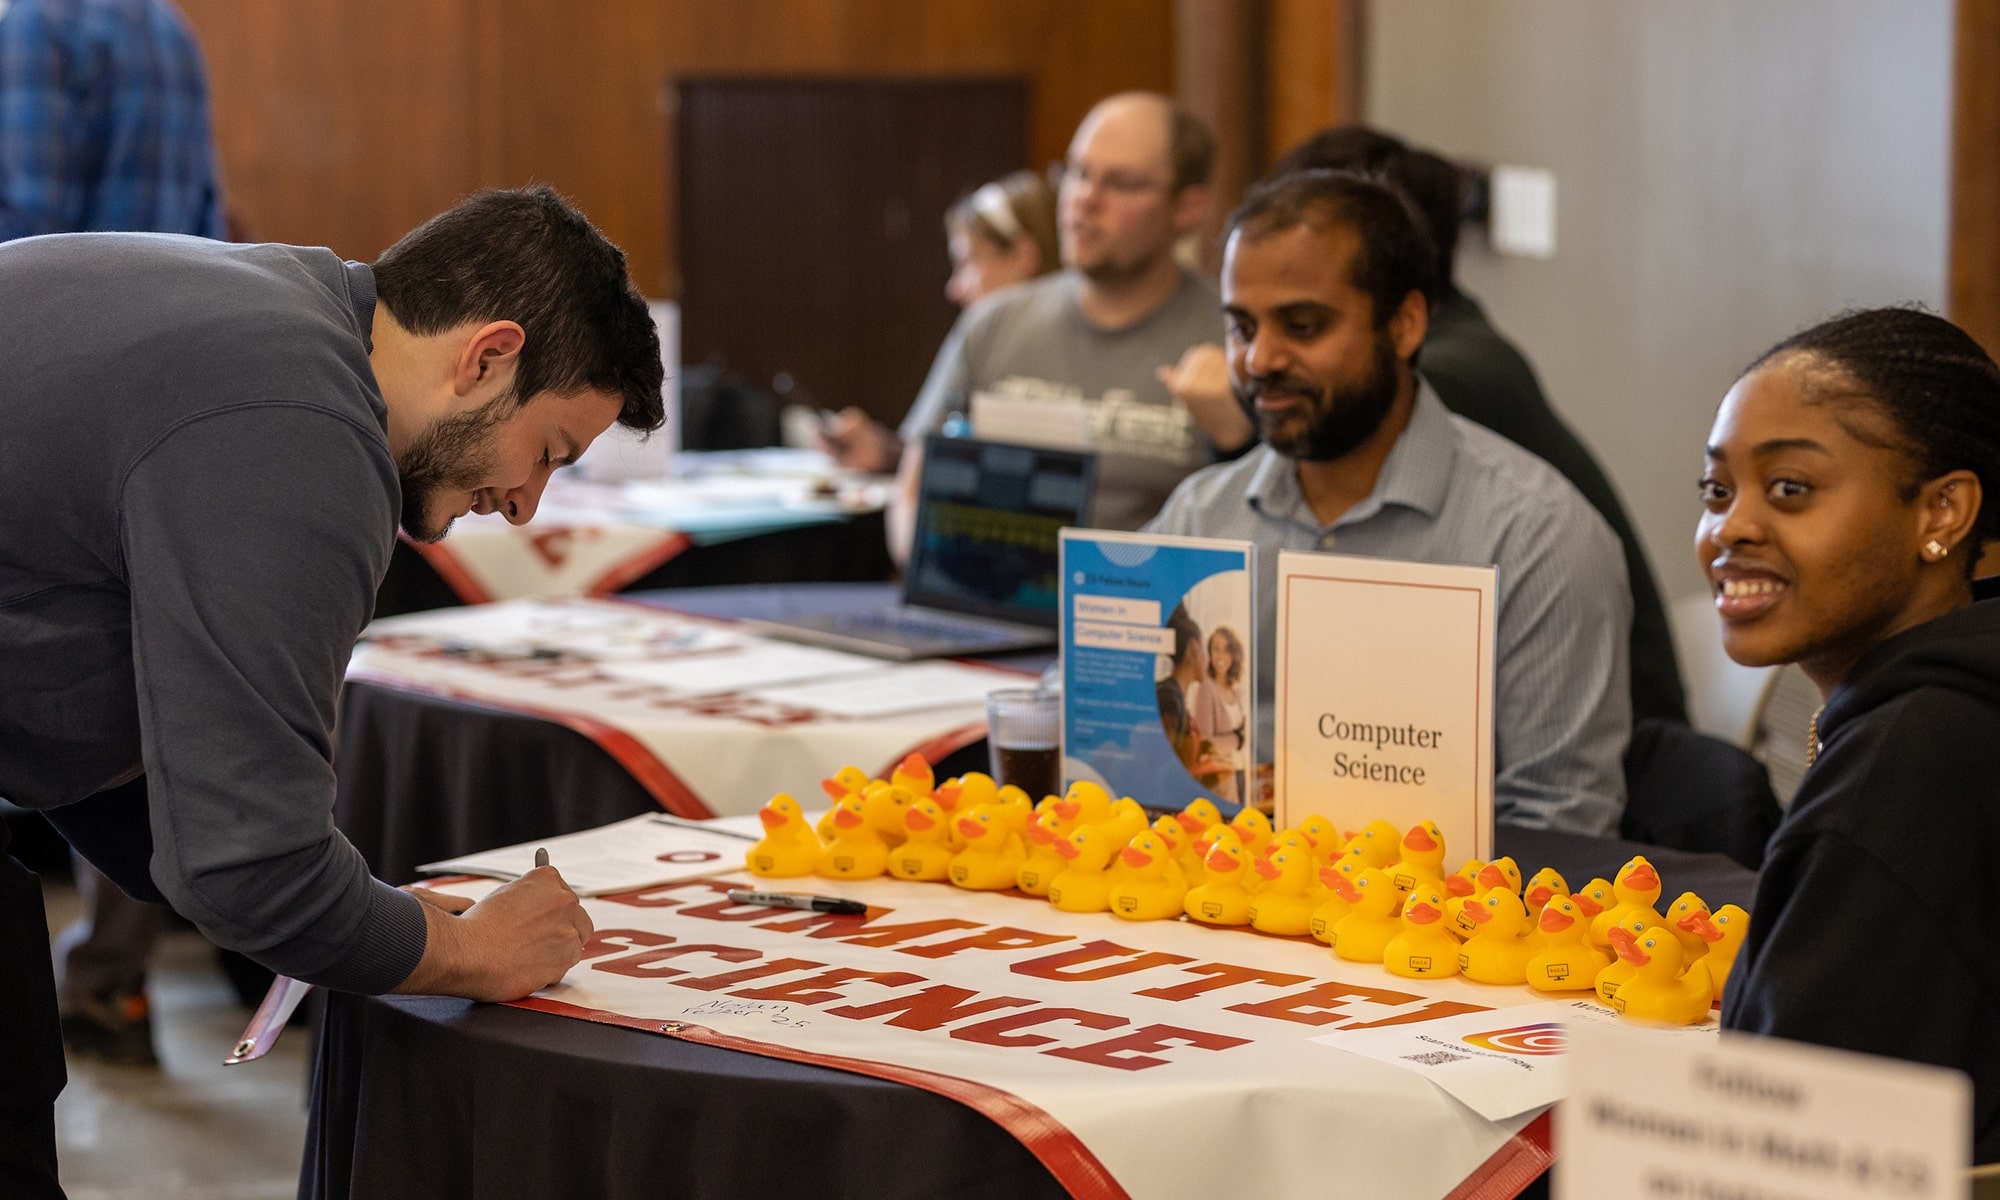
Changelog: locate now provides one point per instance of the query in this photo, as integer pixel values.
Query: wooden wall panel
(345, 122)
(1311, 76)
(1975, 174)
(341, 122)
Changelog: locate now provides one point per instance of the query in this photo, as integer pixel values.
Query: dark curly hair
(1396, 256)
(1933, 382)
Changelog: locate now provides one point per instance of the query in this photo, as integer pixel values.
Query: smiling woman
(1850, 482)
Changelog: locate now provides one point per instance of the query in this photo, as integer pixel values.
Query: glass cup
(1024, 738)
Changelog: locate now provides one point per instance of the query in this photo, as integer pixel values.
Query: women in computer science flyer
(1157, 673)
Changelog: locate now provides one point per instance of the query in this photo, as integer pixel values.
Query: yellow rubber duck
(1612, 977)
(1253, 828)
(925, 854)
(1045, 837)
(1592, 899)
(1285, 905)
(992, 855)
(1723, 931)
(1420, 858)
(1199, 816)
(1422, 948)
(1499, 875)
(1323, 835)
(1085, 803)
(914, 775)
(1150, 887)
(789, 846)
(1543, 886)
(1174, 836)
(1659, 991)
(1124, 820)
(844, 781)
(1221, 898)
(1636, 888)
(884, 809)
(1330, 904)
(856, 851)
(1378, 844)
(1496, 953)
(1566, 961)
(1373, 914)
(1676, 920)
(1459, 886)
(1084, 884)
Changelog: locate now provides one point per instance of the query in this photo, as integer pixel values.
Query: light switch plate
(1523, 210)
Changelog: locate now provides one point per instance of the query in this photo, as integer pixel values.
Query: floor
(192, 1129)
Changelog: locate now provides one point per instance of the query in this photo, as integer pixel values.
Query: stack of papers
(622, 857)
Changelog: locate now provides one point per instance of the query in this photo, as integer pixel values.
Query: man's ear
(487, 355)
(1191, 205)
(1408, 325)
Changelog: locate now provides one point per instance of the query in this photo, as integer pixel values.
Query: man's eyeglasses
(1121, 183)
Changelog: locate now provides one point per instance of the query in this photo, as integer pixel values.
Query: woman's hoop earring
(1936, 549)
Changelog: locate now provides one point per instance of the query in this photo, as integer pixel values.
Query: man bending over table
(1324, 297)
(205, 453)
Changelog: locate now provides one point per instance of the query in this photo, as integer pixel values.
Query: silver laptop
(982, 577)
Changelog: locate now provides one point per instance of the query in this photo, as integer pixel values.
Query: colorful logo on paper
(1545, 1038)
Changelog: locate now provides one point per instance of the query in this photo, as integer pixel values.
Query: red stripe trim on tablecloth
(1513, 1166)
(635, 569)
(449, 569)
(1054, 1146)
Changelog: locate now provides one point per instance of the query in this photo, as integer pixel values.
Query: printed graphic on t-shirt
(1040, 411)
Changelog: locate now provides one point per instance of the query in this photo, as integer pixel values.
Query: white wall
(1728, 171)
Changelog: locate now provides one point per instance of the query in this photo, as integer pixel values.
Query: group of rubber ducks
(1376, 895)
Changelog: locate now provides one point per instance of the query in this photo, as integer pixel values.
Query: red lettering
(1059, 966)
(799, 990)
(1000, 1030)
(656, 897)
(617, 941)
(640, 966)
(779, 966)
(999, 938)
(1309, 1007)
(889, 935)
(1129, 1052)
(1224, 976)
(1429, 1012)
(929, 1008)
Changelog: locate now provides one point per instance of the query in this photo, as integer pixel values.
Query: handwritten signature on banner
(988, 1016)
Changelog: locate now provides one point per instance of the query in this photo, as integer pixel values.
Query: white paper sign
(1385, 695)
(1756, 1117)
(634, 853)
(1498, 1064)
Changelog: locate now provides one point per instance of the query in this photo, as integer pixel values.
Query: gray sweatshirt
(197, 503)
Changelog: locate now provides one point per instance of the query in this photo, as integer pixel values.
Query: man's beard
(1337, 420)
(453, 455)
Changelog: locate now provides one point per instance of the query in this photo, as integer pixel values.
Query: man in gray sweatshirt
(205, 453)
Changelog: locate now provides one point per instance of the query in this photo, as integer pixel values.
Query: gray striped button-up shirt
(1452, 491)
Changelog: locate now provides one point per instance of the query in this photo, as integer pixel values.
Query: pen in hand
(542, 856)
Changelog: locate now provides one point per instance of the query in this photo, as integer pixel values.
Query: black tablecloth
(423, 778)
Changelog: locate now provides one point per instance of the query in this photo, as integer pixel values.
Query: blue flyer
(1157, 663)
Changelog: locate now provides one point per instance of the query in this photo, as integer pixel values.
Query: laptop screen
(987, 518)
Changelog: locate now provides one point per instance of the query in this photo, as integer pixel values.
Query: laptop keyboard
(927, 626)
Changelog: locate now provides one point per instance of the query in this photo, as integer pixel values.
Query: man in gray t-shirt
(1096, 342)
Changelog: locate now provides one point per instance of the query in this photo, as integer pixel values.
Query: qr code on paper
(1437, 1058)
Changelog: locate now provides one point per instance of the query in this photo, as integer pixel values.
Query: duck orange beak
(1344, 888)
(833, 788)
(1699, 925)
(1167, 840)
(970, 829)
(1477, 914)
(1267, 868)
(1554, 920)
(1194, 825)
(1068, 809)
(846, 818)
(948, 795)
(1492, 877)
(1644, 878)
(1459, 885)
(1221, 860)
(918, 820)
(1421, 913)
(1590, 907)
(1618, 936)
(914, 765)
(1067, 849)
(1539, 894)
(1419, 839)
(1040, 834)
(1135, 857)
(771, 818)
(1628, 949)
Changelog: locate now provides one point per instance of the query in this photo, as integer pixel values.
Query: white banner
(1174, 1059)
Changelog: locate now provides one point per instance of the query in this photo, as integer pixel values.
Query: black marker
(825, 904)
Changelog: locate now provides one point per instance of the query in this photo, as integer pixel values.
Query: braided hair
(1934, 383)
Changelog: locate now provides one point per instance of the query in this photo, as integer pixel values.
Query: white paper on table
(893, 690)
(745, 665)
(634, 853)
(1499, 1064)
(605, 632)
